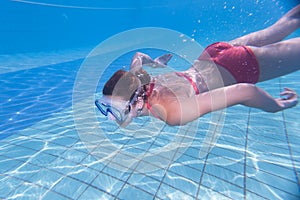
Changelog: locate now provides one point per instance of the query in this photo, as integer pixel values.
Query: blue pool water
(43, 154)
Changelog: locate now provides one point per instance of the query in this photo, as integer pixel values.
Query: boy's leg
(278, 59)
(275, 33)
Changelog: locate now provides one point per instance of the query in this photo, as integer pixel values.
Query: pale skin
(276, 57)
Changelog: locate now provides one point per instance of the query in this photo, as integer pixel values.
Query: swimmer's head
(121, 84)
(125, 93)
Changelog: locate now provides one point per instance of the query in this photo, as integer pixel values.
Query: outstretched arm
(140, 59)
(243, 93)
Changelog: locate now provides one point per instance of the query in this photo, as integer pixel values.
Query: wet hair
(124, 84)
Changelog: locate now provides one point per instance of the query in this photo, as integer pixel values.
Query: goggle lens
(106, 108)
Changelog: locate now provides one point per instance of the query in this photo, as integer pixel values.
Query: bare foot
(292, 17)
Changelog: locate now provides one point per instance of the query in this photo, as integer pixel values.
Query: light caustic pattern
(97, 137)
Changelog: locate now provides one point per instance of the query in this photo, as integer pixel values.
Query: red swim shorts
(240, 61)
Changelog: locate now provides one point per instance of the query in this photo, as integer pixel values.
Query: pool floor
(257, 155)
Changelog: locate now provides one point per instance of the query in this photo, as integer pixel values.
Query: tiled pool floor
(257, 156)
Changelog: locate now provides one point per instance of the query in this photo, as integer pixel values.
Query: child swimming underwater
(180, 97)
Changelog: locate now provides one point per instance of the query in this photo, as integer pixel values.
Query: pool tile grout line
(166, 170)
(204, 166)
(245, 154)
(289, 145)
(126, 182)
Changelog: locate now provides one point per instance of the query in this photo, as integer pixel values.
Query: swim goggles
(119, 114)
